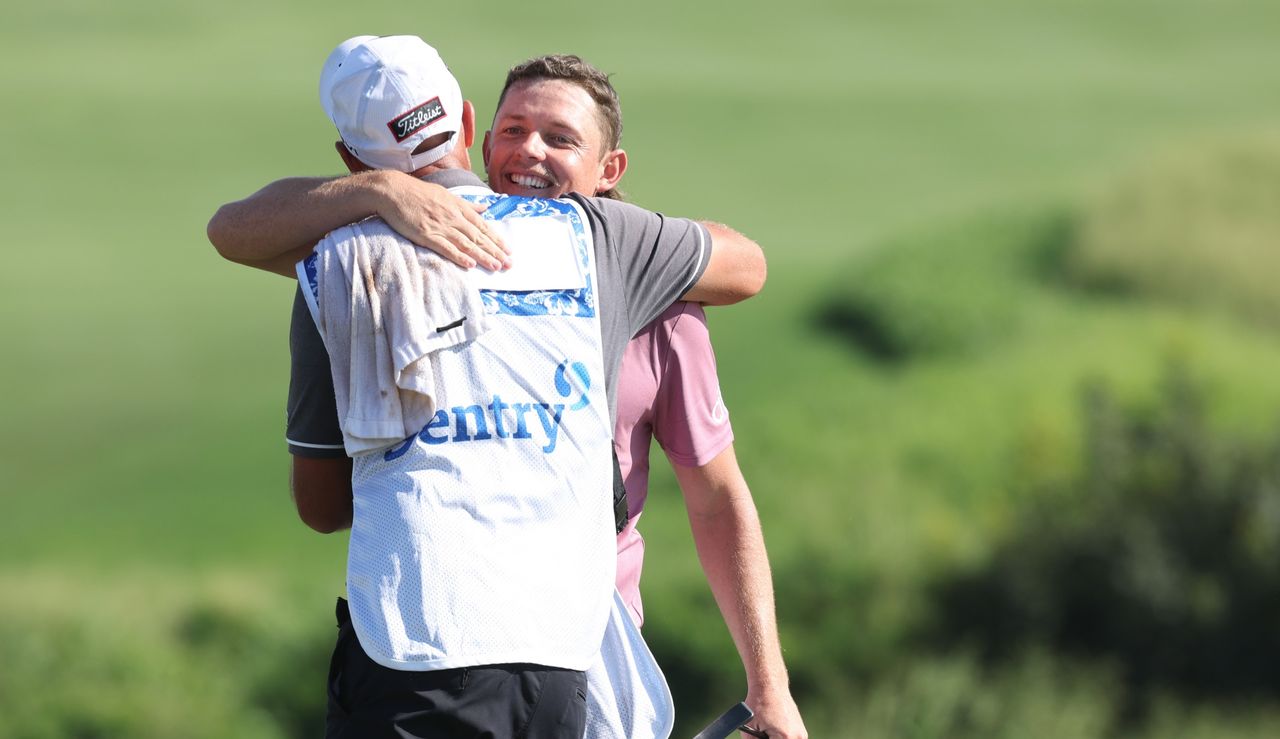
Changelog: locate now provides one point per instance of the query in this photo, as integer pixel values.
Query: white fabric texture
(383, 307)
(627, 694)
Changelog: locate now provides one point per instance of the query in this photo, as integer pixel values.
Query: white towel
(383, 306)
(627, 694)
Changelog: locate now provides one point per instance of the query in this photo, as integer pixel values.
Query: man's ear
(484, 150)
(468, 123)
(611, 170)
(353, 165)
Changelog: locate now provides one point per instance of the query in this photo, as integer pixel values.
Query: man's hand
(432, 217)
(776, 715)
(278, 225)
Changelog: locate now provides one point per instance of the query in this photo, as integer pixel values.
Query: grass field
(142, 460)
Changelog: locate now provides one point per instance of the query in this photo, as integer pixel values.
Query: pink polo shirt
(667, 390)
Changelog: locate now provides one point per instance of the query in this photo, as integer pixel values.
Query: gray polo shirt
(644, 263)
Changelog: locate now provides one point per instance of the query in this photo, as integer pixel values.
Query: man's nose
(533, 147)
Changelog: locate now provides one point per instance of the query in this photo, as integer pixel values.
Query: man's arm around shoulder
(278, 225)
(735, 271)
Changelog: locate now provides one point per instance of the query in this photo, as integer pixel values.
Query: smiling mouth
(533, 182)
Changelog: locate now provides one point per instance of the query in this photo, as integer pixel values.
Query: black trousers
(370, 701)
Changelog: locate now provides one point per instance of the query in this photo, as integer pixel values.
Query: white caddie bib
(488, 536)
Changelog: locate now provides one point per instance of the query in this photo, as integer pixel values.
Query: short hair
(572, 68)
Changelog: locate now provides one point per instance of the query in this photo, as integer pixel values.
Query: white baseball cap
(386, 95)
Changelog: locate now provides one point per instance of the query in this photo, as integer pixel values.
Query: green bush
(1162, 557)
(1198, 226)
(88, 659)
(956, 696)
(942, 293)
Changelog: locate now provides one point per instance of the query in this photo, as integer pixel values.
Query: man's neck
(456, 159)
(448, 176)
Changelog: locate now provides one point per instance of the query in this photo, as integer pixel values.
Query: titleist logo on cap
(416, 120)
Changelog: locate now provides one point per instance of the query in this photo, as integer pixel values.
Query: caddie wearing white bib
(481, 560)
(501, 491)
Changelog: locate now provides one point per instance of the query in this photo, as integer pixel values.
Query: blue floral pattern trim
(580, 302)
(313, 281)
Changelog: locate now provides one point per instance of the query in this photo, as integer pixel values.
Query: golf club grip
(726, 723)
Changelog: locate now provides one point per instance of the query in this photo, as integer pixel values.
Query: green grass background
(142, 464)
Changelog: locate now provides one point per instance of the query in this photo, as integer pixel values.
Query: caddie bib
(488, 536)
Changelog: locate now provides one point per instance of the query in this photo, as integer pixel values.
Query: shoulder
(626, 225)
(455, 178)
(612, 212)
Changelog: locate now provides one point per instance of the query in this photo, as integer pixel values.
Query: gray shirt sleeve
(659, 257)
(311, 425)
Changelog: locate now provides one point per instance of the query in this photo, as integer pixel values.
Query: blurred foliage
(1198, 225)
(1038, 694)
(947, 292)
(88, 658)
(1135, 596)
(954, 697)
(1161, 558)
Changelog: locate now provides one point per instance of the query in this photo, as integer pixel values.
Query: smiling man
(558, 129)
(550, 136)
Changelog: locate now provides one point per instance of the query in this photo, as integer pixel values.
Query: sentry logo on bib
(530, 420)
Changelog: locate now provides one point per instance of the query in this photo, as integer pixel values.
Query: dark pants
(369, 701)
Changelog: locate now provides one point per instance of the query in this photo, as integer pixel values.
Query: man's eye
(513, 130)
(562, 140)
